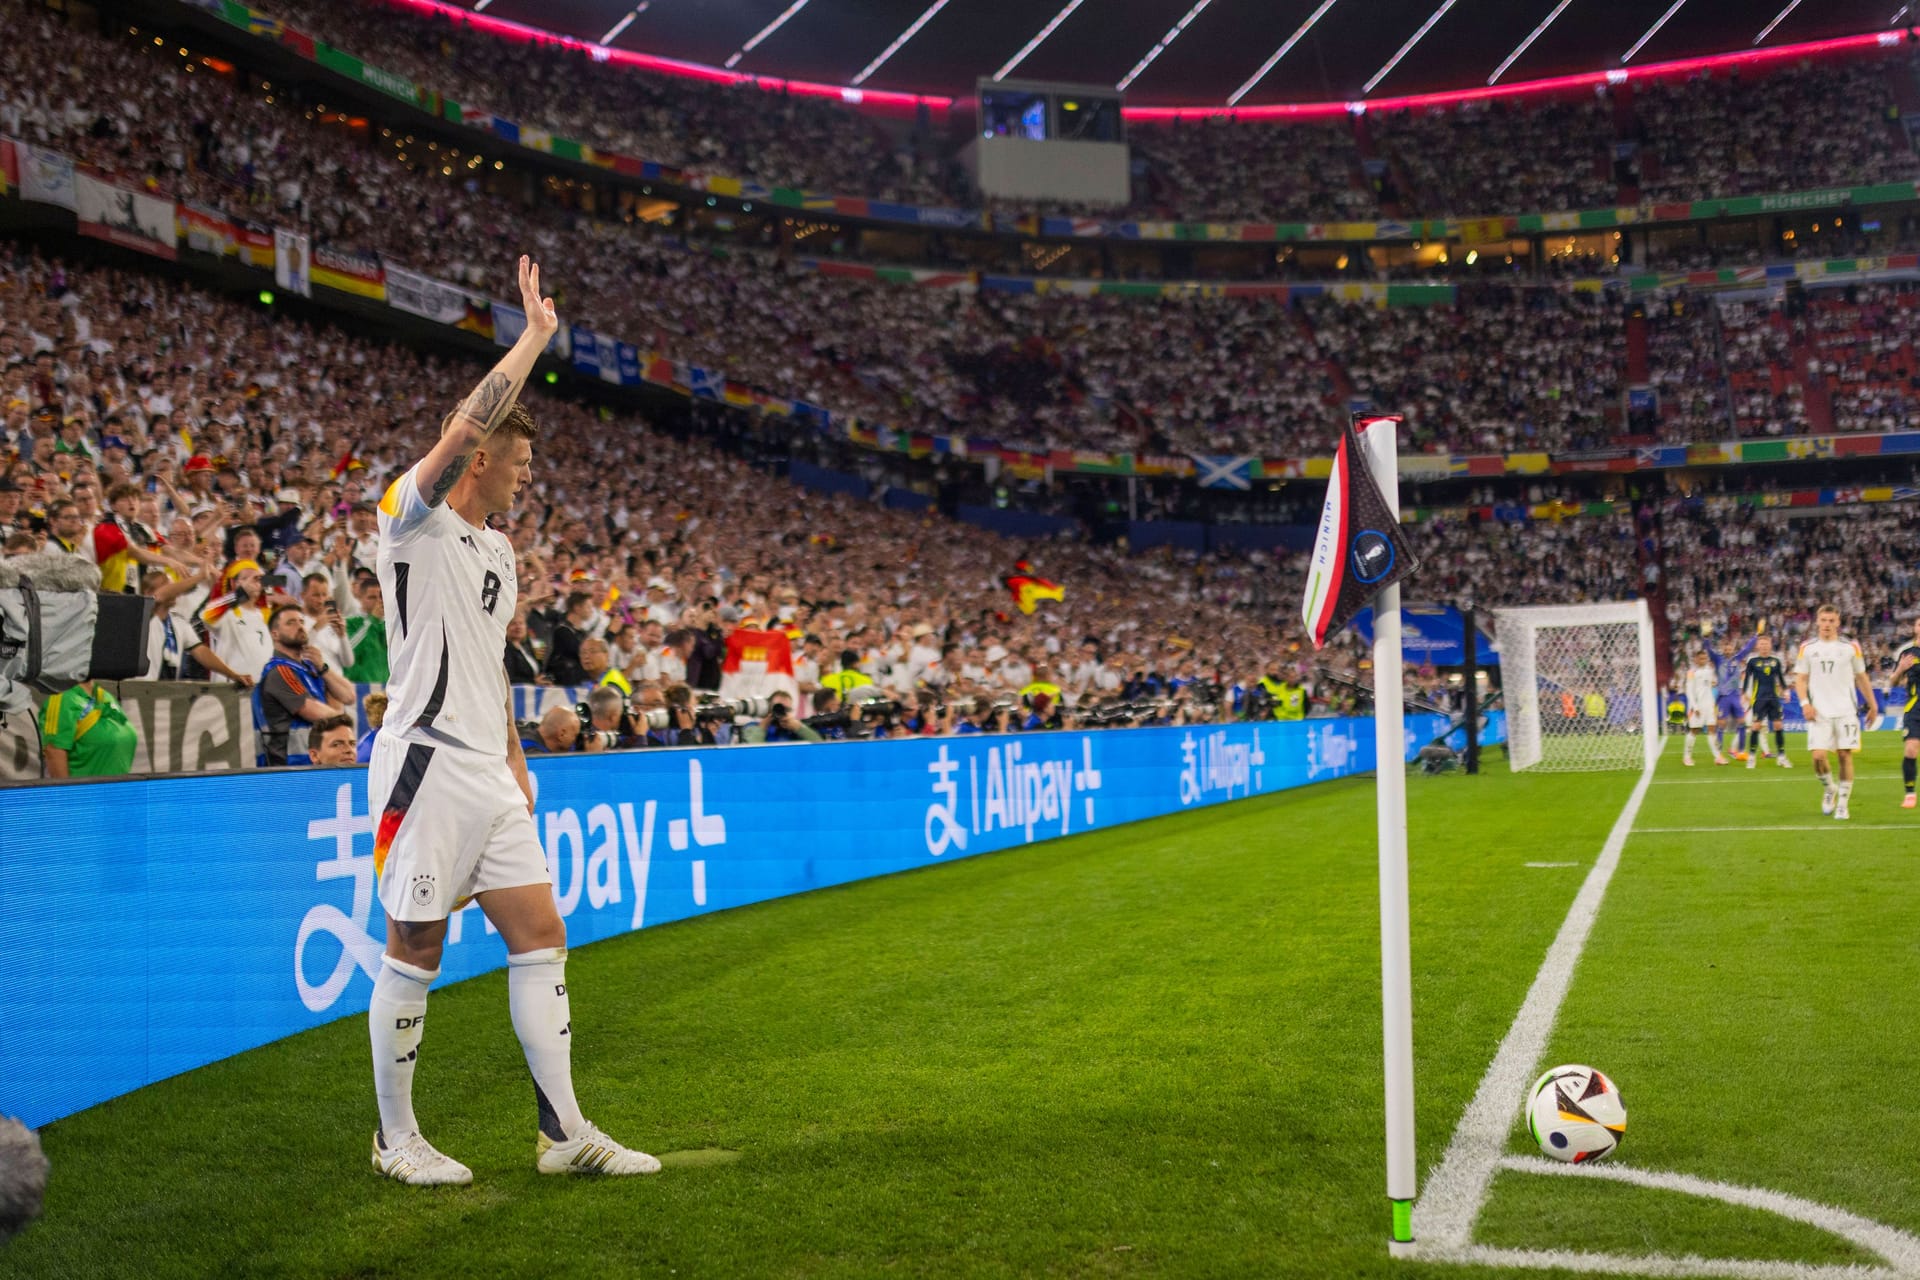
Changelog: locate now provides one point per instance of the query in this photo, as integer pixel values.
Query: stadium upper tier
(1788, 127)
(1498, 369)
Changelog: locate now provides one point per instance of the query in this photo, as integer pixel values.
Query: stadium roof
(1207, 50)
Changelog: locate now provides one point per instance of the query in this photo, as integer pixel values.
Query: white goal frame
(1521, 675)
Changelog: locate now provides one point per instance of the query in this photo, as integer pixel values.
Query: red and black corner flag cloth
(1359, 550)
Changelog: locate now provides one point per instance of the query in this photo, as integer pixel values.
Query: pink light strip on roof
(674, 66)
(1147, 114)
(1529, 88)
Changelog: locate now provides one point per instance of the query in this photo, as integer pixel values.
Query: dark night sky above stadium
(1226, 41)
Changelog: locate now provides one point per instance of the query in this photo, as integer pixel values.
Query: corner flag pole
(1390, 791)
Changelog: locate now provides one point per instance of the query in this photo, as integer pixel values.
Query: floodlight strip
(1165, 40)
(480, 6)
(1282, 52)
(1777, 20)
(768, 30)
(1651, 31)
(1034, 43)
(905, 36)
(618, 27)
(1528, 42)
(1894, 21)
(1407, 48)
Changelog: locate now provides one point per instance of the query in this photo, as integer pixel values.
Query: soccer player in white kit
(1826, 675)
(449, 784)
(1703, 690)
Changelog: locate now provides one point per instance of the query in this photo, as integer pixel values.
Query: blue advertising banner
(155, 925)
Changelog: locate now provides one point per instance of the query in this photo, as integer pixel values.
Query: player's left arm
(1863, 683)
(486, 407)
(517, 757)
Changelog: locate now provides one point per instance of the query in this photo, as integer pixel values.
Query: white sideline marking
(1553, 864)
(1444, 1215)
(1829, 825)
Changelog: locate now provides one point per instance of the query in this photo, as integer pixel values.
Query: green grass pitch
(1154, 1051)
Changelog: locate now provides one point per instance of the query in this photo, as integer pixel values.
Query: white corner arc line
(1444, 1215)
(1679, 1267)
(1897, 1247)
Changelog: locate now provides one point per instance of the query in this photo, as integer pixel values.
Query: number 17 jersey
(449, 590)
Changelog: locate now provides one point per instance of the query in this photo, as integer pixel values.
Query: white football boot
(591, 1152)
(415, 1162)
(1840, 813)
(1828, 799)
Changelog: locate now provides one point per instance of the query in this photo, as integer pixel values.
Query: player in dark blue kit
(1764, 682)
(1906, 678)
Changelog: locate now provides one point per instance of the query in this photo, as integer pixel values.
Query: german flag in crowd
(1028, 590)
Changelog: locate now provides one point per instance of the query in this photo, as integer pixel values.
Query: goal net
(1580, 686)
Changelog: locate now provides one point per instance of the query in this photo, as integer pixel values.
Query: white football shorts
(1834, 733)
(448, 824)
(1700, 717)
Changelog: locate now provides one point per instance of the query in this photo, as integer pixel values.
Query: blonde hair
(376, 705)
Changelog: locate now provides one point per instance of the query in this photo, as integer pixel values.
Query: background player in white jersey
(1906, 680)
(1703, 687)
(1826, 676)
(449, 783)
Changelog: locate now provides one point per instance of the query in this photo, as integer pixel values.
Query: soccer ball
(1575, 1114)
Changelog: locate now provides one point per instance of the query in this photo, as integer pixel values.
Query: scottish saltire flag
(1359, 550)
(1224, 473)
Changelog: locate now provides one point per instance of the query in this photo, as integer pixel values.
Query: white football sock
(396, 1019)
(537, 998)
(1845, 788)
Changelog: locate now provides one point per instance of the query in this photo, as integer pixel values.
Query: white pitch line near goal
(1444, 1215)
(1828, 825)
(1652, 1264)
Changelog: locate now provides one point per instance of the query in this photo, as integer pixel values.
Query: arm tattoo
(489, 401)
(444, 486)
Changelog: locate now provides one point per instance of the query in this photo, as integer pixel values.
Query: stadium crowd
(1695, 137)
(227, 468)
(1055, 371)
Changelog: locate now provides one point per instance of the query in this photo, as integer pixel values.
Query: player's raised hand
(540, 313)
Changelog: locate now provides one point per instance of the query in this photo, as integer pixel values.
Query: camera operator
(683, 728)
(1043, 712)
(986, 716)
(780, 724)
(603, 721)
(556, 733)
(930, 716)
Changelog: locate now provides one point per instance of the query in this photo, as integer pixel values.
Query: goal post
(1580, 685)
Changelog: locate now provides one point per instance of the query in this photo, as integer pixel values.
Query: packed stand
(1504, 157)
(1768, 392)
(1819, 124)
(227, 468)
(1728, 566)
(1509, 370)
(1861, 342)
(1684, 368)
(1213, 170)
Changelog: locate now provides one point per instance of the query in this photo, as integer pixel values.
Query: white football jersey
(1830, 666)
(1701, 683)
(450, 590)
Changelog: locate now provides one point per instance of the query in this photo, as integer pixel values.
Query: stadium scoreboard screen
(1041, 140)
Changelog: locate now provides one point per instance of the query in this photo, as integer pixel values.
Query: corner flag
(1359, 550)
(1360, 554)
